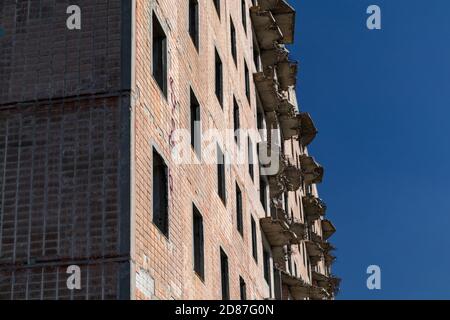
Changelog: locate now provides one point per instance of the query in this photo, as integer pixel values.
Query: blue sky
(381, 101)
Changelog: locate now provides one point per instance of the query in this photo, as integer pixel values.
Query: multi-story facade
(108, 164)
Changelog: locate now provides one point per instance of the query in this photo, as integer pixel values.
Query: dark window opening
(196, 129)
(286, 202)
(254, 240)
(256, 58)
(277, 283)
(244, 15)
(251, 166)
(160, 194)
(247, 81)
(199, 257)
(159, 55)
(221, 175)
(236, 120)
(263, 193)
(266, 263)
(224, 275)
(243, 289)
(219, 79)
(194, 22)
(233, 41)
(239, 209)
(217, 6)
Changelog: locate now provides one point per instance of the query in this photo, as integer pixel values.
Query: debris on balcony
(267, 87)
(277, 232)
(284, 16)
(311, 170)
(287, 74)
(314, 208)
(266, 28)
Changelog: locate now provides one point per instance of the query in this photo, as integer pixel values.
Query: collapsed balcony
(328, 229)
(330, 284)
(267, 87)
(293, 176)
(298, 288)
(311, 170)
(314, 251)
(286, 108)
(276, 54)
(287, 74)
(314, 208)
(299, 228)
(308, 131)
(280, 257)
(329, 258)
(266, 28)
(318, 293)
(300, 125)
(284, 16)
(277, 231)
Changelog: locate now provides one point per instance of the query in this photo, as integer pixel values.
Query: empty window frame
(196, 128)
(239, 211)
(254, 240)
(233, 41)
(194, 22)
(199, 246)
(263, 192)
(251, 167)
(247, 81)
(219, 78)
(266, 265)
(221, 182)
(159, 42)
(160, 194)
(217, 6)
(236, 120)
(244, 14)
(225, 279)
(242, 288)
(256, 57)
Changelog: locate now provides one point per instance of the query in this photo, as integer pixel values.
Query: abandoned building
(88, 177)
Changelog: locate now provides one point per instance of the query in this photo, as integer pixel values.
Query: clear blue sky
(381, 101)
